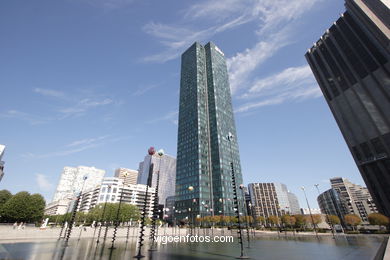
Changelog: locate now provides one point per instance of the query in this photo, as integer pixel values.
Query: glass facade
(204, 154)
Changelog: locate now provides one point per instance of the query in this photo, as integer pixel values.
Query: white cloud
(49, 92)
(79, 146)
(43, 183)
(110, 4)
(221, 16)
(27, 117)
(170, 116)
(291, 84)
(87, 141)
(244, 63)
(83, 105)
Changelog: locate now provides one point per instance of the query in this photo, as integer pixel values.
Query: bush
(381, 232)
(352, 232)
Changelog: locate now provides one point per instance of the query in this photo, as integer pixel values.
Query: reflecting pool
(343, 247)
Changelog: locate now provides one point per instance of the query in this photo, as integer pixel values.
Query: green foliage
(5, 195)
(378, 219)
(23, 207)
(127, 212)
(333, 220)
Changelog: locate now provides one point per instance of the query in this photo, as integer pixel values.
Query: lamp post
(242, 256)
(326, 213)
(103, 214)
(311, 215)
(151, 151)
(245, 212)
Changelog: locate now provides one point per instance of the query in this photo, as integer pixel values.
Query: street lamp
(230, 138)
(311, 215)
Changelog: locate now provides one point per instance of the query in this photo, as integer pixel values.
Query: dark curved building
(351, 65)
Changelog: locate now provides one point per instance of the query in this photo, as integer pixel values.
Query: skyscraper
(204, 153)
(355, 198)
(351, 65)
(2, 148)
(127, 175)
(166, 165)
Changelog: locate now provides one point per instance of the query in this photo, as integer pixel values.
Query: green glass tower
(204, 153)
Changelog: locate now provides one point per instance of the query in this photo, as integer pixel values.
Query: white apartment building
(110, 191)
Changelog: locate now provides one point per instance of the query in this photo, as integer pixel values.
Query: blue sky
(96, 82)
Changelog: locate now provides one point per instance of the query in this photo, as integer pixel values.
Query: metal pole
(74, 212)
(151, 151)
(117, 215)
(311, 215)
(155, 206)
(242, 256)
(103, 215)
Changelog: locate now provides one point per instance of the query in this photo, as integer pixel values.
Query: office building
(127, 175)
(204, 151)
(355, 198)
(271, 199)
(110, 191)
(2, 149)
(169, 209)
(351, 65)
(72, 181)
(165, 167)
(331, 204)
(294, 209)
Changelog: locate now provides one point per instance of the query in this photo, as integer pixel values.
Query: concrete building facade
(351, 65)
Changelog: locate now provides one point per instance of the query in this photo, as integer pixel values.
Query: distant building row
(96, 189)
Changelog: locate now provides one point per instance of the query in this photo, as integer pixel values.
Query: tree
(288, 220)
(352, 220)
(378, 219)
(273, 220)
(36, 207)
(127, 212)
(23, 207)
(260, 220)
(317, 219)
(333, 220)
(300, 221)
(5, 195)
